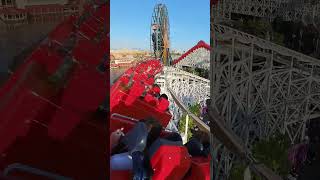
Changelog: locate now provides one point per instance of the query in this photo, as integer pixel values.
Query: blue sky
(130, 22)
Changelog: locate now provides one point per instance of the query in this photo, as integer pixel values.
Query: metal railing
(229, 139)
(28, 169)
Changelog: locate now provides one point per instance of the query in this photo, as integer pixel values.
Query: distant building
(39, 14)
(43, 11)
(11, 17)
(15, 13)
(24, 3)
(129, 56)
(7, 3)
(122, 63)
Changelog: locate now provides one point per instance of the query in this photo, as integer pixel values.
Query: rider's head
(156, 89)
(164, 96)
(156, 86)
(208, 102)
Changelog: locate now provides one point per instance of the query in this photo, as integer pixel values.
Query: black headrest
(195, 148)
(136, 139)
(173, 136)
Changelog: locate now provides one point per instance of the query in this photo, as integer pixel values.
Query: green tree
(237, 172)
(259, 28)
(195, 109)
(182, 125)
(273, 152)
(278, 38)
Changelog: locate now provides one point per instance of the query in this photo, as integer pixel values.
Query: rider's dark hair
(164, 96)
(208, 101)
(155, 85)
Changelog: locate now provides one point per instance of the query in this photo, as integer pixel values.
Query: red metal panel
(25, 118)
(48, 58)
(88, 52)
(170, 163)
(16, 115)
(76, 102)
(121, 175)
(101, 13)
(87, 31)
(63, 30)
(200, 169)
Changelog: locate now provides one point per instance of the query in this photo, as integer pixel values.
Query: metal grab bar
(123, 117)
(45, 100)
(25, 168)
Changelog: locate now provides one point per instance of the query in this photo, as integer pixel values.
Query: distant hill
(129, 54)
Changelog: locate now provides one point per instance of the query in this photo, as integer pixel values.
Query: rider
(163, 103)
(131, 151)
(155, 90)
(305, 157)
(151, 94)
(205, 112)
(199, 144)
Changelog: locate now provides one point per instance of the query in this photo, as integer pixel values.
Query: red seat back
(85, 92)
(120, 175)
(163, 105)
(49, 59)
(139, 109)
(135, 92)
(150, 99)
(63, 30)
(200, 169)
(87, 52)
(170, 162)
(17, 114)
